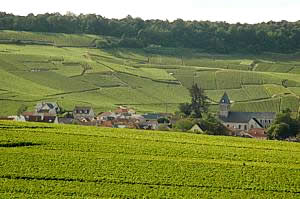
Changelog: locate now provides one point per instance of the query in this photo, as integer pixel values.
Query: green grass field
(60, 161)
(67, 69)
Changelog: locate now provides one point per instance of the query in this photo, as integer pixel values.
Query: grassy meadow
(69, 70)
(59, 161)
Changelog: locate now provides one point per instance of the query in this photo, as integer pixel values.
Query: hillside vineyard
(64, 68)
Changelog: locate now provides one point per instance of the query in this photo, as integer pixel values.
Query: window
(245, 127)
(227, 125)
(240, 126)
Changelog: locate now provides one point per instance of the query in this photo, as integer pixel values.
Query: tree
(21, 109)
(163, 120)
(278, 131)
(199, 104)
(212, 126)
(185, 108)
(284, 126)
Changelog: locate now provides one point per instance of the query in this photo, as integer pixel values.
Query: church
(243, 120)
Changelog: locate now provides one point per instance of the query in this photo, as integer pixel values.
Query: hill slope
(51, 161)
(150, 79)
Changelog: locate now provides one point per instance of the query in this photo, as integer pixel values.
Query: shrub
(184, 124)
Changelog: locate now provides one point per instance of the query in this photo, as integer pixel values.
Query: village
(241, 124)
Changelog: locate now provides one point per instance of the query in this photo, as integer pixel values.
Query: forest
(218, 37)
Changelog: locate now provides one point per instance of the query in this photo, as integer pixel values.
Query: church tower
(224, 106)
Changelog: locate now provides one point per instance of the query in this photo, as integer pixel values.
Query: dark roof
(245, 117)
(50, 105)
(152, 116)
(82, 108)
(225, 99)
(260, 125)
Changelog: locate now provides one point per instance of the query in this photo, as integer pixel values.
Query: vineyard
(66, 67)
(50, 161)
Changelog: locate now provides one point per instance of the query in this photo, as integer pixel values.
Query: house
(243, 120)
(149, 125)
(40, 117)
(258, 133)
(47, 107)
(196, 129)
(107, 123)
(81, 112)
(106, 116)
(152, 116)
(123, 109)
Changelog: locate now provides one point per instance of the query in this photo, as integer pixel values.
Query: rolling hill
(68, 69)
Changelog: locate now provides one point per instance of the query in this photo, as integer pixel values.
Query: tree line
(221, 37)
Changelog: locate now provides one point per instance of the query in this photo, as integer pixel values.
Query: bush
(163, 121)
(163, 127)
(184, 124)
(105, 44)
(131, 43)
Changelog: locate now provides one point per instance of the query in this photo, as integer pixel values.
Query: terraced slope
(52, 161)
(150, 79)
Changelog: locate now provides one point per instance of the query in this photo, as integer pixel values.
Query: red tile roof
(257, 133)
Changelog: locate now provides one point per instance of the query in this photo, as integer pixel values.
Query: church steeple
(224, 105)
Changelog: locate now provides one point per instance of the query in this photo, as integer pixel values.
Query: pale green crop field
(145, 79)
(60, 161)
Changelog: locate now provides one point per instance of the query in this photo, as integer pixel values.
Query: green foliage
(185, 108)
(278, 131)
(199, 104)
(131, 43)
(60, 161)
(212, 126)
(155, 78)
(284, 126)
(163, 121)
(218, 37)
(184, 124)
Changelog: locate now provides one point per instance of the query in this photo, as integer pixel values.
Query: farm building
(47, 107)
(40, 117)
(83, 113)
(243, 120)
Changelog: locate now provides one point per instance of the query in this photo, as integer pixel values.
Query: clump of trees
(209, 124)
(284, 126)
(220, 37)
(196, 112)
(198, 105)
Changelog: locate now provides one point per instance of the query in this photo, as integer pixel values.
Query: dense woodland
(218, 37)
